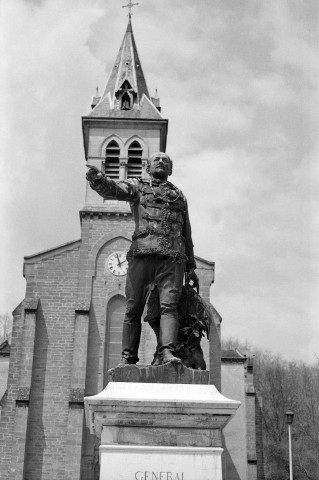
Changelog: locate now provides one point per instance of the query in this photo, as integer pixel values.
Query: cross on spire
(130, 5)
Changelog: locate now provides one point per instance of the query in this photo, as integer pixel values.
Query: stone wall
(7, 419)
(35, 413)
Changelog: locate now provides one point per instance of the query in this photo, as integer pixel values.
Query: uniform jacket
(160, 212)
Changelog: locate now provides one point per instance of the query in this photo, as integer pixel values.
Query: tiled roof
(105, 109)
(231, 354)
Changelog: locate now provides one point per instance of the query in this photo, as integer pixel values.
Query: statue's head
(160, 166)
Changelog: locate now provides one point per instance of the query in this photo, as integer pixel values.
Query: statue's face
(160, 166)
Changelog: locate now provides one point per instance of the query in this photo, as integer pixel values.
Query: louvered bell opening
(112, 160)
(112, 167)
(134, 164)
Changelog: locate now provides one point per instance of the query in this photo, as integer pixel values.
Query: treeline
(286, 384)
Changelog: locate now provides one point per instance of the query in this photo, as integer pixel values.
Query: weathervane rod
(130, 5)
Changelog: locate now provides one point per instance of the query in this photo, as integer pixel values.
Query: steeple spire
(126, 91)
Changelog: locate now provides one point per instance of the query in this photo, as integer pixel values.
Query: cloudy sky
(238, 82)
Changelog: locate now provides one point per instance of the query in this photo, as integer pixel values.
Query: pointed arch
(107, 140)
(140, 141)
(96, 249)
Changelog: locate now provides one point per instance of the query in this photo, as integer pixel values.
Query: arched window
(113, 334)
(112, 160)
(134, 164)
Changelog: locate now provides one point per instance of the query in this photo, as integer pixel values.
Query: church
(67, 330)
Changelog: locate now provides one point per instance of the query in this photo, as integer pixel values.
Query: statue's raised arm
(108, 188)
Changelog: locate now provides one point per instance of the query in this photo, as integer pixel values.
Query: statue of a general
(160, 254)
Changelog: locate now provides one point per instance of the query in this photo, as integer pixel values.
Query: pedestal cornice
(158, 405)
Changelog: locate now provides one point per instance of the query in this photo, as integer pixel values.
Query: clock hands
(119, 262)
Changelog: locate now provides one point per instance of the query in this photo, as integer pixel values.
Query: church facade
(67, 331)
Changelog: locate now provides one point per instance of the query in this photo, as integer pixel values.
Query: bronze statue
(160, 253)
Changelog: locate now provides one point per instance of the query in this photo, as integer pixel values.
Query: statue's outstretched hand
(93, 174)
(192, 277)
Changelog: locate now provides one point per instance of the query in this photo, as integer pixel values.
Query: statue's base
(168, 373)
(161, 431)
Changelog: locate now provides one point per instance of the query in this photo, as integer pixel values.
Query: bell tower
(125, 125)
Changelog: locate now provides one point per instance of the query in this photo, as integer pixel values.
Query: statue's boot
(167, 356)
(156, 329)
(125, 361)
(156, 358)
(130, 343)
(168, 339)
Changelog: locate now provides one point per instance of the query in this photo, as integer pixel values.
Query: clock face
(117, 263)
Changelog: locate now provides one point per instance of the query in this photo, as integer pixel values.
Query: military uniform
(160, 253)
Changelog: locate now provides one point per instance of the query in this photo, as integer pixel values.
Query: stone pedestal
(159, 431)
(169, 373)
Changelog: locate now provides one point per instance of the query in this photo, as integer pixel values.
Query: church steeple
(125, 126)
(126, 93)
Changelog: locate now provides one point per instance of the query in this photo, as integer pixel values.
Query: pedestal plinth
(169, 373)
(159, 431)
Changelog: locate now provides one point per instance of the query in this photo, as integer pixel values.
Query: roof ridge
(49, 251)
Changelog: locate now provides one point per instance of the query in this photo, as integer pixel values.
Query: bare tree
(235, 343)
(5, 327)
(282, 385)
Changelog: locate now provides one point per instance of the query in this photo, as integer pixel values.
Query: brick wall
(55, 282)
(53, 278)
(103, 235)
(254, 425)
(259, 437)
(7, 420)
(105, 286)
(234, 457)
